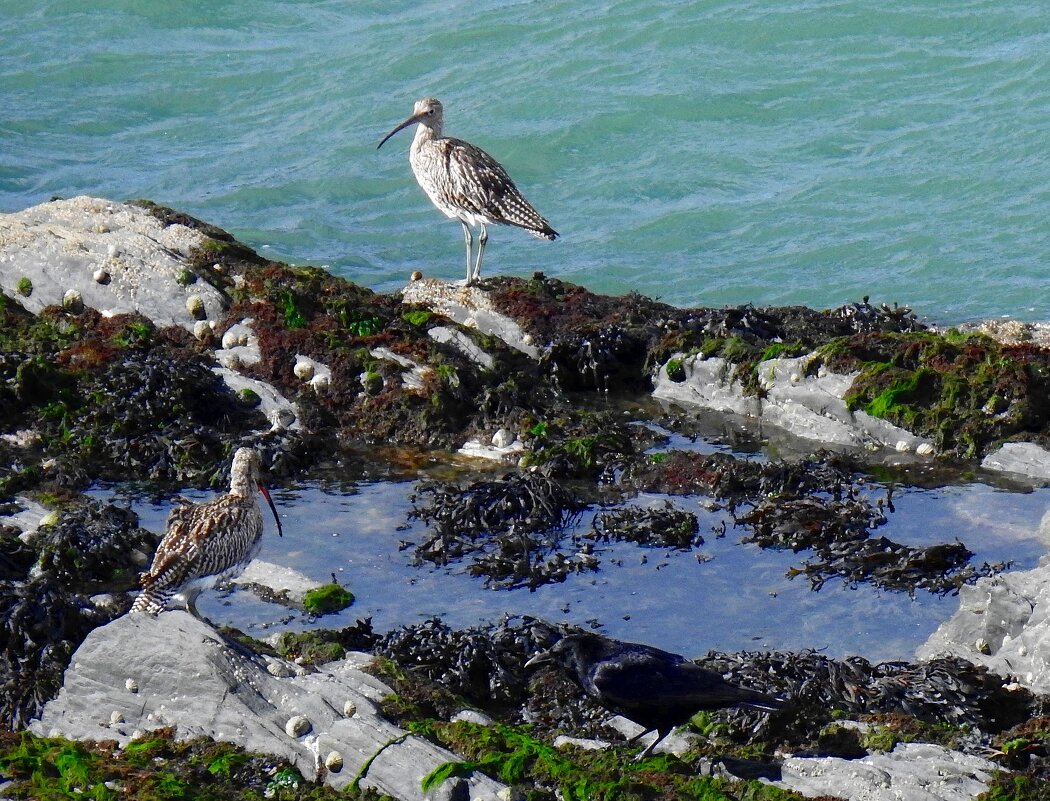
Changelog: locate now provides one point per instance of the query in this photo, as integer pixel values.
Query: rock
(1023, 458)
(497, 453)
(1003, 622)
(277, 581)
(217, 693)
(271, 402)
(64, 244)
(471, 307)
(807, 406)
(473, 716)
(240, 346)
(915, 771)
(415, 374)
(463, 343)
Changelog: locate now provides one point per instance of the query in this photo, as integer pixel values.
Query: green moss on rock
(966, 393)
(327, 598)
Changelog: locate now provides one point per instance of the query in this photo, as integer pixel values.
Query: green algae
(327, 598)
(417, 317)
(968, 393)
(155, 768)
(516, 756)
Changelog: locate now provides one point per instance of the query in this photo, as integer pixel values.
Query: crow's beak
(542, 658)
(410, 121)
(269, 500)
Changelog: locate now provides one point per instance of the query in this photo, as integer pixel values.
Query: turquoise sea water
(765, 151)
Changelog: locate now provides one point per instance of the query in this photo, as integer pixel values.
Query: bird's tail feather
(546, 232)
(152, 601)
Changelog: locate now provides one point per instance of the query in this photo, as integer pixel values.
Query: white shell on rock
(195, 306)
(304, 371)
(297, 726)
(101, 276)
(503, 438)
(349, 709)
(131, 685)
(925, 449)
(73, 300)
(201, 329)
(334, 761)
(116, 717)
(320, 383)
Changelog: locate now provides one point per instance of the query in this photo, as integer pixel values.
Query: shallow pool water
(724, 595)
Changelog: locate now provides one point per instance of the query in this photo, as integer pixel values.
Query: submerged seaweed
(511, 528)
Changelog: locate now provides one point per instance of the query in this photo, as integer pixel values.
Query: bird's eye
(430, 111)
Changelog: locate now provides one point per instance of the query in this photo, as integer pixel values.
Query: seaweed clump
(817, 504)
(511, 528)
(666, 526)
(46, 609)
(436, 671)
(112, 398)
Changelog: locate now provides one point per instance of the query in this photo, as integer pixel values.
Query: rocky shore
(141, 345)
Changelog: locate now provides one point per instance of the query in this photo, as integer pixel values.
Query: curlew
(466, 183)
(652, 687)
(207, 542)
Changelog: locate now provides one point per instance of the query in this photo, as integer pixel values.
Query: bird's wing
(660, 680)
(479, 183)
(180, 549)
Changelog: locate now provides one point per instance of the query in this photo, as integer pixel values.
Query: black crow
(654, 688)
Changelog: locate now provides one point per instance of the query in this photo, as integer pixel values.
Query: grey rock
(190, 679)
(1022, 458)
(414, 375)
(469, 306)
(1003, 622)
(278, 580)
(912, 771)
(63, 244)
(808, 406)
(463, 344)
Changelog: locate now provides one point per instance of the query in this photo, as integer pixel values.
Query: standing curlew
(466, 183)
(207, 542)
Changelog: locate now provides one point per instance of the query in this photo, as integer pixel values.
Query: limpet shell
(334, 761)
(297, 726)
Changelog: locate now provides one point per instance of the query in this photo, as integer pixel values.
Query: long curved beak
(410, 121)
(269, 500)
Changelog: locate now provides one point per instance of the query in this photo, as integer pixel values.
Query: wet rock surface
(189, 680)
(159, 344)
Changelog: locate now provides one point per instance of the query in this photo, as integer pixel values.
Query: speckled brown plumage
(466, 183)
(206, 542)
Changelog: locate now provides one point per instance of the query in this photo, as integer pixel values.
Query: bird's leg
(649, 748)
(468, 240)
(190, 598)
(482, 241)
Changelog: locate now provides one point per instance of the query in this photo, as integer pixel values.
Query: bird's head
(427, 111)
(244, 474)
(572, 652)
